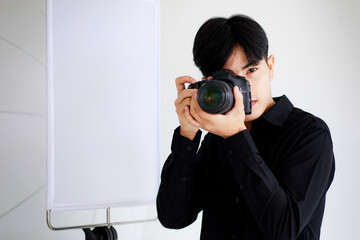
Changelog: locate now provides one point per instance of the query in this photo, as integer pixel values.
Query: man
(258, 176)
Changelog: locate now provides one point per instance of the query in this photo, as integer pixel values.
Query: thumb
(239, 105)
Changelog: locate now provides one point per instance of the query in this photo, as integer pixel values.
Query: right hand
(182, 104)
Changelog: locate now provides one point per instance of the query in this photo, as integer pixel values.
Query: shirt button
(230, 152)
(189, 148)
(234, 237)
(237, 200)
(241, 187)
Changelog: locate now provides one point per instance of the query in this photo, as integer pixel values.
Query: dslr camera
(216, 95)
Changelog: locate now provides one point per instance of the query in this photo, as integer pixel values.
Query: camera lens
(212, 96)
(216, 97)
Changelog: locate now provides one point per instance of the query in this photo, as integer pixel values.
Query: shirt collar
(278, 113)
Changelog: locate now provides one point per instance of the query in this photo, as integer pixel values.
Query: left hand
(224, 125)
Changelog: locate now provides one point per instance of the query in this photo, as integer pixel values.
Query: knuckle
(182, 79)
(179, 111)
(179, 79)
(176, 102)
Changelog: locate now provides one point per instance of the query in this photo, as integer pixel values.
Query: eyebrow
(251, 63)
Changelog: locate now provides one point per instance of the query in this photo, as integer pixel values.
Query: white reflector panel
(103, 103)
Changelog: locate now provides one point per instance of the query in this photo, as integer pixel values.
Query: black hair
(217, 38)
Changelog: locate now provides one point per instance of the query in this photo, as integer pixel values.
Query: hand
(224, 125)
(182, 104)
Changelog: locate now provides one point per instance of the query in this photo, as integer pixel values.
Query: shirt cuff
(240, 147)
(183, 146)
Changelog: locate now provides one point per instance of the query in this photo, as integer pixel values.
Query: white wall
(316, 45)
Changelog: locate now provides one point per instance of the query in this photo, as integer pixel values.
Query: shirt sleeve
(179, 195)
(283, 205)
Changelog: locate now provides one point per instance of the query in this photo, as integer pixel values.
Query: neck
(270, 104)
(248, 125)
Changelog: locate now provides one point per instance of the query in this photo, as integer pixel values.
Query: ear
(271, 62)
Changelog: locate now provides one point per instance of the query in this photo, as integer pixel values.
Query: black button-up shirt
(269, 183)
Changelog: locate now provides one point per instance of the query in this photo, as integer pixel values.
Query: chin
(253, 116)
(250, 118)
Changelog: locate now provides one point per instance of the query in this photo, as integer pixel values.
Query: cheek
(252, 86)
(261, 89)
(255, 91)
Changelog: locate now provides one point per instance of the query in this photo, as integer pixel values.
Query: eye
(251, 70)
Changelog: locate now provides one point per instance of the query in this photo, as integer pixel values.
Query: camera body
(216, 95)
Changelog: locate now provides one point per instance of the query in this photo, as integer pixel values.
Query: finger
(180, 83)
(186, 93)
(185, 103)
(190, 118)
(194, 107)
(239, 105)
(180, 108)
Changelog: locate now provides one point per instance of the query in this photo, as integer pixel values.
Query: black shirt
(269, 183)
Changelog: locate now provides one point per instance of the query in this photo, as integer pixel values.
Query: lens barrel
(216, 97)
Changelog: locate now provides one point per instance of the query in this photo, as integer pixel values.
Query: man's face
(259, 74)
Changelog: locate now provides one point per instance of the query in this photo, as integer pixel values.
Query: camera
(216, 95)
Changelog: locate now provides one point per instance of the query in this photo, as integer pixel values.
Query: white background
(316, 47)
